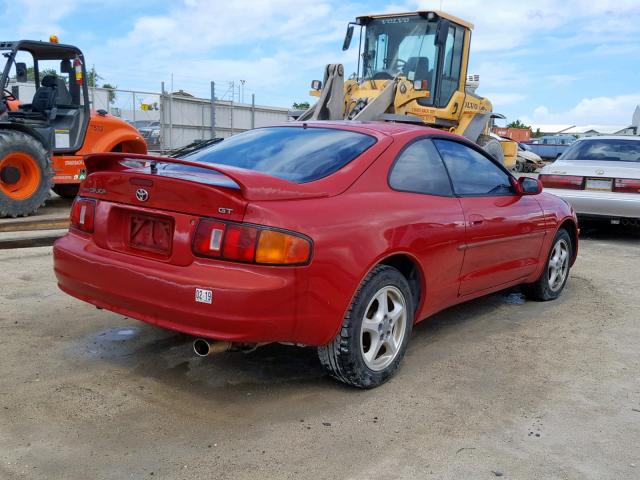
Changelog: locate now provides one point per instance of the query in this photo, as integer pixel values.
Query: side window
(471, 172)
(419, 169)
(381, 52)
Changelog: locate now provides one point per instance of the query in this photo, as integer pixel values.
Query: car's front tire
(372, 340)
(556, 272)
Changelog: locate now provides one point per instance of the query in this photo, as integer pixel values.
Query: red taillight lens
(83, 213)
(567, 182)
(247, 244)
(240, 243)
(626, 185)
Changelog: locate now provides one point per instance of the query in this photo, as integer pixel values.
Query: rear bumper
(604, 204)
(250, 304)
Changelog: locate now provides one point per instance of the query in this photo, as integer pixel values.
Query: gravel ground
(494, 387)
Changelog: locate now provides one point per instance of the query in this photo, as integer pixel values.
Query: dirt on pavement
(494, 387)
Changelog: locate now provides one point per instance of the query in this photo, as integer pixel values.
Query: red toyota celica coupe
(339, 235)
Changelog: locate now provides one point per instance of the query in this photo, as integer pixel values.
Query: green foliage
(517, 124)
(301, 105)
(112, 91)
(93, 77)
(31, 73)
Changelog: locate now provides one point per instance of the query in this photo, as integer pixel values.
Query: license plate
(151, 233)
(602, 184)
(203, 295)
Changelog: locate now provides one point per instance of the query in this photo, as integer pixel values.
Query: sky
(543, 61)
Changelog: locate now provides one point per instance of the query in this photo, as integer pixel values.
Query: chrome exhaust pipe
(203, 347)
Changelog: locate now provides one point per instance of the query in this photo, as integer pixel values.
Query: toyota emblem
(142, 195)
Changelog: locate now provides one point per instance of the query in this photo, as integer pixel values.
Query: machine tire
(66, 190)
(23, 155)
(492, 147)
(543, 289)
(344, 357)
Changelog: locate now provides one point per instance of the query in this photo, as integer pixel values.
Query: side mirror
(529, 186)
(347, 38)
(21, 72)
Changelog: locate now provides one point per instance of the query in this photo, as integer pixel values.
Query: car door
(431, 220)
(504, 230)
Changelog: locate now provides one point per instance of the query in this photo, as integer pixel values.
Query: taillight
(626, 185)
(567, 182)
(83, 213)
(281, 248)
(249, 244)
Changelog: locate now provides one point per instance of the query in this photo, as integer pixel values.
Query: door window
(419, 169)
(452, 62)
(472, 173)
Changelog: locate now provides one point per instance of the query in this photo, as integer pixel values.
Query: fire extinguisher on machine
(77, 66)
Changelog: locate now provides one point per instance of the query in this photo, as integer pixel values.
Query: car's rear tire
(25, 174)
(556, 271)
(372, 341)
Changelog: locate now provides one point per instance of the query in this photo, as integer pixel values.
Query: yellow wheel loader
(412, 67)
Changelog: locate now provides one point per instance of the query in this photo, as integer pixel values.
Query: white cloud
(615, 110)
(502, 99)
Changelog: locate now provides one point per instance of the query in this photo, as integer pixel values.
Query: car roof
(611, 137)
(385, 128)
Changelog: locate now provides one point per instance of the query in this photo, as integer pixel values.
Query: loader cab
(45, 88)
(427, 48)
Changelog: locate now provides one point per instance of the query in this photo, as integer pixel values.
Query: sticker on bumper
(204, 296)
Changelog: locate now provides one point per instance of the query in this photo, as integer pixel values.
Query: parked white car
(527, 161)
(600, 177)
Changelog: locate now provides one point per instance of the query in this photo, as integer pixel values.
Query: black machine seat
(420, 67)
(43, 106)
(46, 96)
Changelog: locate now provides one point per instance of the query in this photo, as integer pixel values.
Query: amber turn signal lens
(278, 248)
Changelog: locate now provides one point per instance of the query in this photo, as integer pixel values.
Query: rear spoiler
(253, 185)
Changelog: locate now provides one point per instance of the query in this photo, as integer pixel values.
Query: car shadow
(168, 358)
(601, 230)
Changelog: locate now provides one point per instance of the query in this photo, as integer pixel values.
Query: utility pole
(213, 109)
(242, 82)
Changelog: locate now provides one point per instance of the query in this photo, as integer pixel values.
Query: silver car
(600, 177)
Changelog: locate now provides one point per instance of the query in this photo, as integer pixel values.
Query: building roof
(551, 128)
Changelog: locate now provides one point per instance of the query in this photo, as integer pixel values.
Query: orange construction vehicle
(47, 125)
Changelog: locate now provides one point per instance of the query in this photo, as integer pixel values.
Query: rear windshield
(297, 154)
(615, 150)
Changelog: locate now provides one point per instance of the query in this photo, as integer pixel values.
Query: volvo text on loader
(412, 67)
(47, 125)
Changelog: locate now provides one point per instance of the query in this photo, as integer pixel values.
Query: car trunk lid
(146, 209)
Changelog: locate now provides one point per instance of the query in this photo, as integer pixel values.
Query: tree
(93, 77)
(111, 90)
(301, 105)
(518, 124)
(31, 73)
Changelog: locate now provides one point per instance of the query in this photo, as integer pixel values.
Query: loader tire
(26, 174)
(492, 147)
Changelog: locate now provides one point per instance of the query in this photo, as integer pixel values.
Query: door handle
(475, 220)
